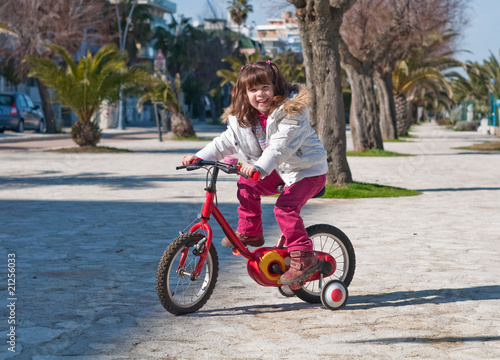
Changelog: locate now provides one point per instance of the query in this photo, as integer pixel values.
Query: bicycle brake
(199, 247)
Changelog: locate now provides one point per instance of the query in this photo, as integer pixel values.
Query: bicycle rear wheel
(178, 293)
(331, 240)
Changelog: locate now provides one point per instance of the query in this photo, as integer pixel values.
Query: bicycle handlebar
(228, 169)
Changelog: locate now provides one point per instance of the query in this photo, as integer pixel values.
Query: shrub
(467, 125)
(444, 122)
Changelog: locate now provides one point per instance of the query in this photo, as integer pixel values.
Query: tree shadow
(425, 340)
(461, 189)
(255, 309)
(434, 296)
(54, 178)
(369, 301)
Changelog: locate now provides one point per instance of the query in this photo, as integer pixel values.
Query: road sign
(159, 61)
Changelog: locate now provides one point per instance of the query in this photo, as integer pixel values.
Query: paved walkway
(87, 231)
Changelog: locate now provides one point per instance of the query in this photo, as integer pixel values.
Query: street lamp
(123, 41)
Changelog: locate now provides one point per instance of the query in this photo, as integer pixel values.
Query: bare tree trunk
(47, 107)
(165, 116)
(387, 106)
(403, 123)
(412, 113)
(365, 125)
(213, 109)
(182, 125)
(319, 24)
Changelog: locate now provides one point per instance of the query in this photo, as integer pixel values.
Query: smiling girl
(268, 125)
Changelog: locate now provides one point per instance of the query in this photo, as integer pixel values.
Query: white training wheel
(334, 295)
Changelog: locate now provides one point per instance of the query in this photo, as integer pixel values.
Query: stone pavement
(87, 231)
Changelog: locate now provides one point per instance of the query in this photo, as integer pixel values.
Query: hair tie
(242, 68)
(268, 62)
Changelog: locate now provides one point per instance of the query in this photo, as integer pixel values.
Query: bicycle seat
(321, 193)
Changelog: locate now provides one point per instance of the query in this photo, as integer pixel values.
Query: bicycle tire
(177, 292)
(329, 239)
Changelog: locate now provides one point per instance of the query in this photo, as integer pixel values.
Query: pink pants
(286, 211)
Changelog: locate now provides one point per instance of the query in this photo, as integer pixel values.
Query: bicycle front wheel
(179, 293)
(329, 239)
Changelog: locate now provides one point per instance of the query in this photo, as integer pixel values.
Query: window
(29, 102)
(5, 100)
(20, 102)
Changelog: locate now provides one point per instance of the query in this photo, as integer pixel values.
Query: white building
(279, 35)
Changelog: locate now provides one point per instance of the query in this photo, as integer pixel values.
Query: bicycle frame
(266, 264)
(209, 208)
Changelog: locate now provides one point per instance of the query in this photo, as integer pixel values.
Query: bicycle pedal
(295, 286)
(236, 252)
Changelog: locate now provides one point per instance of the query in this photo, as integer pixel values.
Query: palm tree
(136, 21)
(39, 22)
(412, 79)
(180, 45)
(231, 75)
(474, 87)
(482, 81)
(491, 68)
(238, 10)
(158, 89)
(291, 66)
(84, 85)
(423, 73)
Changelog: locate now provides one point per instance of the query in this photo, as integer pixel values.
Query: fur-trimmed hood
(293, 148)
(295, 104)
(298, 101)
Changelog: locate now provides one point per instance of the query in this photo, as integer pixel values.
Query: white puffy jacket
(293, 148)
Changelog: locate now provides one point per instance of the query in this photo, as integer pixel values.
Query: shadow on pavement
(462, 189)
(85, 270)
(437, 296)
(424, 340)
(254, 309)
(103, 179)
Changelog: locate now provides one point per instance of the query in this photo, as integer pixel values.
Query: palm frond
(84, 85)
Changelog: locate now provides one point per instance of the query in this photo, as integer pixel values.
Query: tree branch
(343, 5)
(298, 3)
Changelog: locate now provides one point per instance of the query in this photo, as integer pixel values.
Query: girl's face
(261, 97)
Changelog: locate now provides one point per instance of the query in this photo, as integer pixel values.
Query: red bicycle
(188, 270)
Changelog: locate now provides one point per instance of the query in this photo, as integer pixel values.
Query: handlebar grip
(255, 177)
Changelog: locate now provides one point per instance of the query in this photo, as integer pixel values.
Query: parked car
(18, 113)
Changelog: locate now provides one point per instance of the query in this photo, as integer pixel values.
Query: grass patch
(358, 190)
(375, 152)
(91, 149)
(194, 137)
(400, 139)
(191, 138)
(487, 146)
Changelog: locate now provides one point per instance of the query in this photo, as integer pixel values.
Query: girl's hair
(252, 74)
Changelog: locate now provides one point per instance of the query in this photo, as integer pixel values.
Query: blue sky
(483, 32)
(479, 37)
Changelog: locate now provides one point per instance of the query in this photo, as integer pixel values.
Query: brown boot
(257, 240)
(303, 263)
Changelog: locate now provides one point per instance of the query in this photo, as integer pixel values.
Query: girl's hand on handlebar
(248, 170)
(188, 159)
